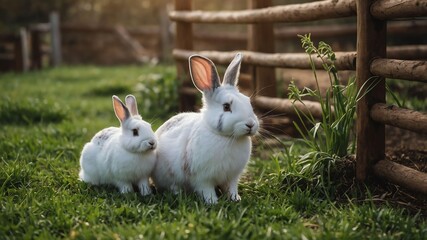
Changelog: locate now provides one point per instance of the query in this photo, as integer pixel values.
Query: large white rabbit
(201, 151)
(121, 156)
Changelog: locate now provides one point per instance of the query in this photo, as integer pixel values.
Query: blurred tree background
(21, 13)
(133, 13)
(89, 33)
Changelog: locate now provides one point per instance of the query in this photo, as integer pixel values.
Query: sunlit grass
(41, 197)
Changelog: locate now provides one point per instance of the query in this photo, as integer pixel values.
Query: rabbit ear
(203, 73)
(120, 109)
(131, 104)
(231, 75)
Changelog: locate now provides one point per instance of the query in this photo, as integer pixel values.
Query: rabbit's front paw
(235, 197)
(125, 187)
(209, 195)
(145, 190)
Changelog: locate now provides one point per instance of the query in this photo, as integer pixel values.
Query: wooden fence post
(261, 39)
(371, 44)
(18, 56)
(165, 35)
(55, 39)
(36, 49)
(25, 51)
(184, 40)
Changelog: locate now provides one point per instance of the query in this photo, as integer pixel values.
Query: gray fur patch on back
(172, 123)
(103, 136)
(220, 122)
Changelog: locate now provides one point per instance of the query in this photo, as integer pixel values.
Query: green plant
(406, 94)
(330, 137)
(159, 93)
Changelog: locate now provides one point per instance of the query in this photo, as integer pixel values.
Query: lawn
(47, 116)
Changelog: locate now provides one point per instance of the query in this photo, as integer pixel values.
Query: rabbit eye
(135, 132)
(226, 107)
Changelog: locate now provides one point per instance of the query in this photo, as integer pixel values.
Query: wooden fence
(369, 60)
(42, 47)
(28, 48)
(13, 52)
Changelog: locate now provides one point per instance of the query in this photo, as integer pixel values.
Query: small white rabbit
(201, 151)
(121, 156)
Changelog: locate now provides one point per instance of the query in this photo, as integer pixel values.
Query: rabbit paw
(125, 187)
(145, 190)
(209, 195)
(235, 197)
(144, 187)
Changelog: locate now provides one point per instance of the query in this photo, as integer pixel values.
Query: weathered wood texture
(408, 52)
(55, 36)
(391, 9)
(412, 28)
(371, 43)
(400, 69)
(11, 57)
(402, 175)
(17, 48)
(184, 40)
(164, 33)
(261, 39)
(345, 61)
(288, 13)
(394, 29)
(400, 117)
(280, 105)
(146, 30)
(36, 50)
(25, 50)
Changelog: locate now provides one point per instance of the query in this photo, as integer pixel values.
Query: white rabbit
(121, 156)
(201, 151)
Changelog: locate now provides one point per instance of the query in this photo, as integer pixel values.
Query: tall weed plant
(329, 138)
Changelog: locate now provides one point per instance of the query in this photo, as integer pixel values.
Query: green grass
(47, 116)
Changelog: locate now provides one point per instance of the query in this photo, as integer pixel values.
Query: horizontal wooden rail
(407, 52)
(221, 36)
(40, 27)
(413, 28)
(399, 117)
(288, 13)
(402, 175)
(280, 105)
(400, 69)
(9, 38)
(345, 61)
(146, 30)
(391, 9)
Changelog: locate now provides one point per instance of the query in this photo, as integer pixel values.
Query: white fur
(115, 156)
(195, 153)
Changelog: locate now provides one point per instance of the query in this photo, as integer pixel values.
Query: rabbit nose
(249, 125)
(152, 143)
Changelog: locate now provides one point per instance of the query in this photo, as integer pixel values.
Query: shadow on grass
(109, 90)
(30, 112)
